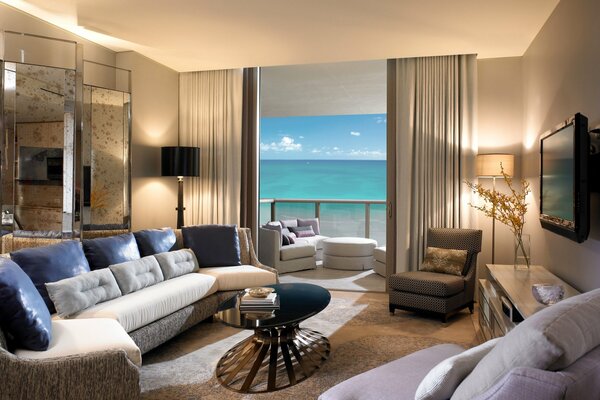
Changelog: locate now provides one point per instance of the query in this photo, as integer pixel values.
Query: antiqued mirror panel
(37, 164)
(105, 159)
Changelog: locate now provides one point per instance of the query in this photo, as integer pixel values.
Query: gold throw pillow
(445, 261)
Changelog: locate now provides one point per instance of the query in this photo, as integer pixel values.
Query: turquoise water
(327, 179)
(323, 179)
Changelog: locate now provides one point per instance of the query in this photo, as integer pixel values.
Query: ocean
(327, 179)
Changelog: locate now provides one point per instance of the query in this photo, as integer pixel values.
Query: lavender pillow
(291, 238)
(303, 231)
(314, 222)
(289, 223)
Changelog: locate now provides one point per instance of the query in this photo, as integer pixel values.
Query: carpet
(335, 279)
(363, 335)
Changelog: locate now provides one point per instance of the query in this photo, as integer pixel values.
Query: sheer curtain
(210, 111)
(434, 106)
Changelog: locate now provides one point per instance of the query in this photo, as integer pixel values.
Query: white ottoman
(350, 253)
(379, 262)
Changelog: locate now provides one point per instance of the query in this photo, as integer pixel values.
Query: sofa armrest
(524, 383)
(254, 259)
(269, 245)
(98, 375)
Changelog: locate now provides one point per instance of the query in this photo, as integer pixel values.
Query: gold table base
(272, 359)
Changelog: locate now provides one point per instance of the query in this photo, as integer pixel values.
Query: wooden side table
(514, 287)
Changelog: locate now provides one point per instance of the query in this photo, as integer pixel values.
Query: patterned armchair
(439, 293)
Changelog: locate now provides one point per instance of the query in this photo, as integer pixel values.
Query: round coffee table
(280, 353)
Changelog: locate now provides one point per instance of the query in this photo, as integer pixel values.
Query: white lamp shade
(491, 165)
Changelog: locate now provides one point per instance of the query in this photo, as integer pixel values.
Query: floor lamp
(490, 166)
(180, 161)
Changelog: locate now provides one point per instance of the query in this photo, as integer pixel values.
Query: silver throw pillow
(177, 263)
(137, 274)
(75, 294)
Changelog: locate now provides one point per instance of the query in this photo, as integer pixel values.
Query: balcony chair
(439, 293)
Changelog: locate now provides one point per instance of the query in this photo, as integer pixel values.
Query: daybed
(96, 353)
(552, 355)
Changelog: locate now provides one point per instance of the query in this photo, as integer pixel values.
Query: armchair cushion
(444, 261)
(295, 251)
(22, 310)
(213, 245)
(427, 283)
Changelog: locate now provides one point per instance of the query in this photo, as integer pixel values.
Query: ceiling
(324, 89)
(191, 35)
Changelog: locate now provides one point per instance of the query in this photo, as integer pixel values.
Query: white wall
(155, 104)
(500, 126)
(561, 77)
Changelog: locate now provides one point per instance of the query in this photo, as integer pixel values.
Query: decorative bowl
(260, 292)
(547, 294)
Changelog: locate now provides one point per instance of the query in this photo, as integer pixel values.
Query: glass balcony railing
(358, 218)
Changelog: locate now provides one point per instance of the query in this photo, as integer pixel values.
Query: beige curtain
(435, 148)
(210, 117)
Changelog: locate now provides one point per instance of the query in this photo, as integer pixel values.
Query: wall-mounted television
(564, 186)
(40, 164)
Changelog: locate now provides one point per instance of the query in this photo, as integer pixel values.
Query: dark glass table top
(298, 301)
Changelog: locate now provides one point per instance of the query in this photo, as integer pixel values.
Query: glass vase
(523, 252)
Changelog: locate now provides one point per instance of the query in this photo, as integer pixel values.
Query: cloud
(353, 133)
(300, 137)
(285, 144)
(380, 120)
(315, 151)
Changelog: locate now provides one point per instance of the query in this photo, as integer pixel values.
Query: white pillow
(444, 378)
(551, 339)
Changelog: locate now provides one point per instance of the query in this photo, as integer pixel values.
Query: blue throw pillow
(213, 245)
(103, 252)
(23, 313)
(51, 264)
(154, 241)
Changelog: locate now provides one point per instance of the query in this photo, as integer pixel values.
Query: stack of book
(249, 303)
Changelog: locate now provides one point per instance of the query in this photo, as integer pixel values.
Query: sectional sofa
(96, 352)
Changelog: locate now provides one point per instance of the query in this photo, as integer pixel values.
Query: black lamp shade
(180, 161)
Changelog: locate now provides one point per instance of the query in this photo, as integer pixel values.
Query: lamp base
(180, 208)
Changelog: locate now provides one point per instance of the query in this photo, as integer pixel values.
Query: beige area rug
(363, 335)
(335, 279)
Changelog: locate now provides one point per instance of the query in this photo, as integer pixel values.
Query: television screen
(564, 190)
(40, 164)
(558, 167)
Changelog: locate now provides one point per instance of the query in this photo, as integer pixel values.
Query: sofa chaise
(96, 353)
(552, 355)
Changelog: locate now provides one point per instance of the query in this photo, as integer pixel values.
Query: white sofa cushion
(77, 293)
(177, 263)
(294, 251)
(137, 274)
(550, 339)
(444, 378)
(239, 277)
(81, 336)
(316, 241)
(140, 308)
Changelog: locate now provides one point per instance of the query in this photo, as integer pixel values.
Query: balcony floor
(333, 279)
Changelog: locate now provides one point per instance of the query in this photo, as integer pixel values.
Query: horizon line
(321, 159)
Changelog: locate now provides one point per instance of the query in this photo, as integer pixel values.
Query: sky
(331, 137)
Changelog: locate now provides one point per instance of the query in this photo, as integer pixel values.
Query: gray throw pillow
(75, 294)
(177, 263)
(137, 274)
(314, 222)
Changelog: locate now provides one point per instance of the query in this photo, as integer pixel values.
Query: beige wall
(14, 20)
(155, 92)
(500, 127)
(560, 75)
